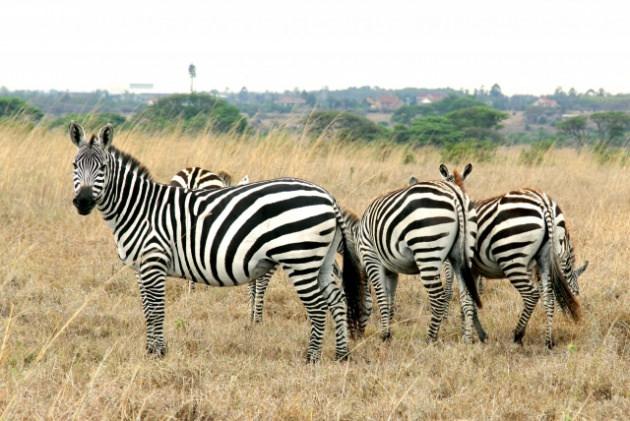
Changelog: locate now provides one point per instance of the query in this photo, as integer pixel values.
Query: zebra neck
(129, 195)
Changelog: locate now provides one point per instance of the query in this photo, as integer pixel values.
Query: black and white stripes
(414, 230)
(220, 237)
(521, 232)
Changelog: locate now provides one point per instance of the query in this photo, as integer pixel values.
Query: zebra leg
(191, 286)
(336, 299)
(431, 280)
(311, 296)
(530, 295)
(151, 280)
(261, 287)
(548, 303)
(448, 285)
(375, 272)
(251, 291)
(391, 283)
(367, 310)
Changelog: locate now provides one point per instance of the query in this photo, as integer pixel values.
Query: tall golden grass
(72, 335)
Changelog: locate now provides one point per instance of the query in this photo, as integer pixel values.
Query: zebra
(413, 230)
(523, 233)
(195, 178)
(221, 237)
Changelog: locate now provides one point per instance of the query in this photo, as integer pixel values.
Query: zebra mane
(126, 158)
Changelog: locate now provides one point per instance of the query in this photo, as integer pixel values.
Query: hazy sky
(525, 46)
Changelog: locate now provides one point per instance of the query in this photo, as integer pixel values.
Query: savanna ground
(72, 329)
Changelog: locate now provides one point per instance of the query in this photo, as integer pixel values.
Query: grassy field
(72, 330)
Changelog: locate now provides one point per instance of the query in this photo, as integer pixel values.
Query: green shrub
(343, 125)
(91, 121)
(467, 150)
(18, 110)
(192, 113)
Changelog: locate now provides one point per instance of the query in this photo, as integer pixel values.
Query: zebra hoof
(550, 343)
(518, 337)
(386, 336)
(483, 337)
(156, 349)
(342, 356)
(312, 358)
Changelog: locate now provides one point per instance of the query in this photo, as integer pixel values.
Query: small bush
(476, 150)
(91, 121)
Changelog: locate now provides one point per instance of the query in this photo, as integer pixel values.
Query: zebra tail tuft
(567, 301)
(354, 282)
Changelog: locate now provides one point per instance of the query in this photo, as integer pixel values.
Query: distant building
(385, 103)
(545, 102)
(290, 100)
(427, 99)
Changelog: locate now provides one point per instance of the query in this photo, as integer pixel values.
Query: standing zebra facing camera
(196, 178)
(222, 237)
(413, 230)
(522, 232)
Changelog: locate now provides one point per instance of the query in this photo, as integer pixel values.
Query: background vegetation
(73, 332)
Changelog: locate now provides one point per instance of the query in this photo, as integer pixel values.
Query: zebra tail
(466, 228)
(567, 301)
(353, 279)
(354, 282)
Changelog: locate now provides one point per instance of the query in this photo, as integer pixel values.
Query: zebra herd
(202, 228)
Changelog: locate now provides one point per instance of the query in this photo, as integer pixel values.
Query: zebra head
(90, 166)
(455, 176)
(567, 262)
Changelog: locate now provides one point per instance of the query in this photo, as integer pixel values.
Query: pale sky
(526, 46)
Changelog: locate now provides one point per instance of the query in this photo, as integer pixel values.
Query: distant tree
(482, 117)
(192, 72)
(91, 121)
(18, 109)
(193, 113)
(495, 90)
(434, 130)
(243, 94)
(612, 126)
(574, 127)
(343, 125)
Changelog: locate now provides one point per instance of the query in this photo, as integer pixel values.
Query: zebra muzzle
(84, 201)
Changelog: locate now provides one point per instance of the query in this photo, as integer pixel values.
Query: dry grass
(73, 333)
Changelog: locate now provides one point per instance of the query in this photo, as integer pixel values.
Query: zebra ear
(106, 135)
(467, 170)
(77, 135)
(444, 171)
(244, 180)
(226, 177)
(413, 180)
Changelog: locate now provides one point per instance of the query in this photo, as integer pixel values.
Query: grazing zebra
(414, 230)
(521, 233)
(196, 178)
(221, 237)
